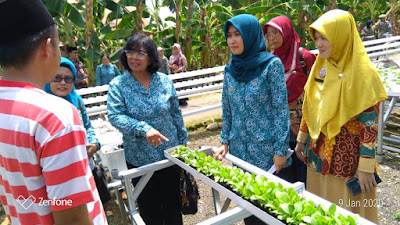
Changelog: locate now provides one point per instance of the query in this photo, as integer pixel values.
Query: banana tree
(176, 7)
(86, 25)
(188, 39)
(208, 37)
(392, 14)
(68, 19)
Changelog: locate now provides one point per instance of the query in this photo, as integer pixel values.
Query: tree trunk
(69, 40)
(188, 41)
(210, 63)
(204, 53)
(88, 35)
(331, 5)
(178, 20)
(301, 22)
(138, 18)
(391, 15)
(227, 55)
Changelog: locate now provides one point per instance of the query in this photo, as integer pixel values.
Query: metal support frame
(223, 217)
(239, 213)
(383, 117)
(217, 202)
(227, 218)
(126, 177)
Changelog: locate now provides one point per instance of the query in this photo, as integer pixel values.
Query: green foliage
(397, 216)
(196, 126)
(62, 7)
(208, 46)
(390, 77)
(283, 203)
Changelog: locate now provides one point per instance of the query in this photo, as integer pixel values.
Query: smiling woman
(255, 112)
(63, 81)
(63, 86)
(338, 130)
(142, 103)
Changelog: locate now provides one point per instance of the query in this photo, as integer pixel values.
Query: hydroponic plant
(390, 78)
(282, 203)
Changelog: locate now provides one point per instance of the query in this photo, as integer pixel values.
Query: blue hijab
(252, 62)
(73, 96)
(369, 22)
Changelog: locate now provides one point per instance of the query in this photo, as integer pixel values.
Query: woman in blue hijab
(254, 100)
(368, 32)
(63, 85)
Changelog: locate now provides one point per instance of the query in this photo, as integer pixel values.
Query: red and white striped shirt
(43, 160)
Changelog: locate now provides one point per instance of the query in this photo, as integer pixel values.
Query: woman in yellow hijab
(340, 114)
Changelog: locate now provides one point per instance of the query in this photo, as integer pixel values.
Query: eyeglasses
(68, 79)
(75, 52)
(137, 54)
(273, 33)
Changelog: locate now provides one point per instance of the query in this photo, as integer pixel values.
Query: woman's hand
(299, 150)
(91, 149)
(155, 138)
(221, 152)
(366, 180)
(279, 162)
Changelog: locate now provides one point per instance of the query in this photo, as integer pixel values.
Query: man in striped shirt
(44, 172)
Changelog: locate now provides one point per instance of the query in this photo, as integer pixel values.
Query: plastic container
(114, 157)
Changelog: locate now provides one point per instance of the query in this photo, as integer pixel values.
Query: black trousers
(160, 202)
(298, 167)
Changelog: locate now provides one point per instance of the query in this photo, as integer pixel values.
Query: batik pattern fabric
(295, 117)
(356, 141)
(164, 68)
(134, 110)
(80, 71)
(256, 116)
(104, 74)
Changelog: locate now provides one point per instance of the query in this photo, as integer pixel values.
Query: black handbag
(189, 193)
(100, 177)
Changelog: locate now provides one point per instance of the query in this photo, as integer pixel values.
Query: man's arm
(76, 215)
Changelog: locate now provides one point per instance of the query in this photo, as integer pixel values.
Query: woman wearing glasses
(142, 104)
(297, 63)
(63, 86)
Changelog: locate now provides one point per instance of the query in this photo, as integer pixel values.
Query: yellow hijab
(351, 83)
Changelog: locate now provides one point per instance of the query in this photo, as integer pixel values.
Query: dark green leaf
(118, 34)
(93, 54)
(75, 17)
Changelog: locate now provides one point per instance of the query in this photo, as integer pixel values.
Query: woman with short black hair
(106, 71)
(143, 104)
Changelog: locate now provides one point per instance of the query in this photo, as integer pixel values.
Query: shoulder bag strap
(302, 63)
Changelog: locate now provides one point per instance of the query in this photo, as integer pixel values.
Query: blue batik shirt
(90, 134)
(104, 74)
(133, 110)
(256, 116)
